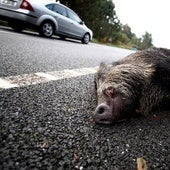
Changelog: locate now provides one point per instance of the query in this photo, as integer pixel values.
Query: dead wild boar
(136, 84)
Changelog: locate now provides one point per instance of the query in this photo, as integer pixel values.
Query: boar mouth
(104, 121)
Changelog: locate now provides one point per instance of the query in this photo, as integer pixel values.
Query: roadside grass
(119, 45)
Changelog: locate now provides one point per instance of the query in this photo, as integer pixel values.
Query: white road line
(42, 77)
(47, 76)
(6, 84)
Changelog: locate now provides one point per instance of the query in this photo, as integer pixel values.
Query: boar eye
(110, 91)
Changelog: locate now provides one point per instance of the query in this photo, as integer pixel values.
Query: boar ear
(100, 75)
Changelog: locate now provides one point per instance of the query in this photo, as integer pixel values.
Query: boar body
(136, 84)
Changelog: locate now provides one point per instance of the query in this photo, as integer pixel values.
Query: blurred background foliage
(100, 16)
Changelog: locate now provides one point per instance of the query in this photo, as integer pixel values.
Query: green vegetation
(100, 16)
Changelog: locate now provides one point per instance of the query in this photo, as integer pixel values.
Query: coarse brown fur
(138, 83)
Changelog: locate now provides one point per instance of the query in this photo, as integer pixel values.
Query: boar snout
(102, 114)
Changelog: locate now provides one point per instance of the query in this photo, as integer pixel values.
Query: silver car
(45, 16)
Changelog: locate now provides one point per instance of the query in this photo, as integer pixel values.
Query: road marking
(42, 77)
(47, 76)
(6, 84)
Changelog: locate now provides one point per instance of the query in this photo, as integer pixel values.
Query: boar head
(118, 90)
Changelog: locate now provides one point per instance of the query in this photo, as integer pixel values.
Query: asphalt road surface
(46, 101)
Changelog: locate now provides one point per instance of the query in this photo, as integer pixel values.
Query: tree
(127, 31)
(99, 15)
(146, 41)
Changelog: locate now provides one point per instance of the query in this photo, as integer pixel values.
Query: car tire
(17, 27)
(47, 29)
(86, 39)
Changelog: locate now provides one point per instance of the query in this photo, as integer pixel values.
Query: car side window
(73, 16)
(49, 6)
(60, 10)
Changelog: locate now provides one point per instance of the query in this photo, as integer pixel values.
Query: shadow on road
(35, 34)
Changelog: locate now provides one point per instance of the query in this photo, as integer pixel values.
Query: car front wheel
(86, 39)
(46, 29)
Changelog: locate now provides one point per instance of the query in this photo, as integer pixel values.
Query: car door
(76, 24)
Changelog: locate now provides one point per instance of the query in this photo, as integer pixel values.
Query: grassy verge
(126, 46)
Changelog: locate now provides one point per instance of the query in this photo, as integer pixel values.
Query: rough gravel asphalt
(49, 126)
(44, 127)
